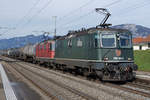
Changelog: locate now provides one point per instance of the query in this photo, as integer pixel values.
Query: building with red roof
(140, 43)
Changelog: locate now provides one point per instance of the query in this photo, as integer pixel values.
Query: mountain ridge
(136, 30)
(19, 41)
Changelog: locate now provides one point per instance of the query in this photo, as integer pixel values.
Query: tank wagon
(28, 52)
(13, 52)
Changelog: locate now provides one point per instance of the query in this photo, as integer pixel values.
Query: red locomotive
(45, 49)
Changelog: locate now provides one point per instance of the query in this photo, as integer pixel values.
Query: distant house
(140, 43)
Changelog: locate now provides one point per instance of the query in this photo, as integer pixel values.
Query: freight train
(107, 53)
(102, 51)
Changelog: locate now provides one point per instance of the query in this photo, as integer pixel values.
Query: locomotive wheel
(99, 74)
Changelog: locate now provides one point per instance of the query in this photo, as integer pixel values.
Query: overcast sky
(25, 17)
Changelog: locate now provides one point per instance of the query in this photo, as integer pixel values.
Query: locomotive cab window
(125, 41)
(108, 40)
(52, 46)
(96, 41)
(69, 43)
(148, 45)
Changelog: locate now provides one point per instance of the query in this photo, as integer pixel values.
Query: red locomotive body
(45, 49)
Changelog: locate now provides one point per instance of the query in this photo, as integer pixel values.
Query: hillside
(137, 30)
(19, 41)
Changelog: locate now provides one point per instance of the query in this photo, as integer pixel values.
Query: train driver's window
(96, 40)
(69, 43)
(52, 46)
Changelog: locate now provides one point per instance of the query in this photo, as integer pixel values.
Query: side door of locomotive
(93, 45)
(88, 46)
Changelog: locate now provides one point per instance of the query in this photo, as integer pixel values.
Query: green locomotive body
(106, 52)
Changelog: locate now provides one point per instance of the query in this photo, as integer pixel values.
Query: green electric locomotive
(103, 51)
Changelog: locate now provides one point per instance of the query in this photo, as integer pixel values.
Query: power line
(108, 5)
(141, 6)
(70, 13)
(38, 12)
(20, 21)
(80, 17)
(73, 11)
(113, 3)
(87, 14)
(6, 31)
(133, 8)
(30, 10)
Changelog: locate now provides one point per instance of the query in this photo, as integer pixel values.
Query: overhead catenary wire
(111, 4)
(132, 8)
(75, 10)
(38, 12)
(137, 7)
(69, 14)
(29, 11)
(108, 5)
(62, 25)
(23, 18)
(82, 6)
(78, 18)
(88, 13)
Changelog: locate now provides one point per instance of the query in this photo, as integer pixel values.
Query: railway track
(84, 80)
(26, 66)
(20, 73)
(123, 87)
(138, 83)
(131, 88)
(24, 71)
(95, 87)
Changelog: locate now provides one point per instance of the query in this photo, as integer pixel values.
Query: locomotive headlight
(105, 59)
(126, 69)
(129, 59)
